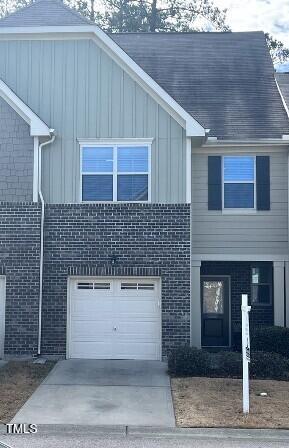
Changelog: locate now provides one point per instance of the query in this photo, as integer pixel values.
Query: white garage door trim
(70, 288)
(2, 313)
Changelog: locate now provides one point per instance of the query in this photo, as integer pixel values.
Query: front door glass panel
(213, 297)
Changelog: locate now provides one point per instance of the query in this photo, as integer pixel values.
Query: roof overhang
(192, 127)
(213, 142)
(37, 127)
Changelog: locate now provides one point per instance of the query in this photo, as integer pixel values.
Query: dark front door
(215, 292)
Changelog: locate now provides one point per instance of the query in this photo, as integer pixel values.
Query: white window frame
(237, 210)
(114, 145)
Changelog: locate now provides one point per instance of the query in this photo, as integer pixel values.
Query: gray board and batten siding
(76, 88)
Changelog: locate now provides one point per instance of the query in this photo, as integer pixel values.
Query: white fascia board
(192, 127)
(213, 142)
(238, 257)
(37, 127)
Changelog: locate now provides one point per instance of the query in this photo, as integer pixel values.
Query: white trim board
(192, 127)
(188, 170)
(241, 149)
(37, 126)
(214, 143)
(2, 313)
(237, 257)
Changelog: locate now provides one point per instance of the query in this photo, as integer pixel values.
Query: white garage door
(117, 318)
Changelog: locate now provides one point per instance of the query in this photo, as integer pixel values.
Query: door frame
(72, 278)
(230, 308)
(3, 299)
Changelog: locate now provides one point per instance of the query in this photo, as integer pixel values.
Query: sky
(266, 15)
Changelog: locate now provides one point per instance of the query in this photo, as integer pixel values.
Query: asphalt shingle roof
(44, 13)
(283, 82)
(224, 80)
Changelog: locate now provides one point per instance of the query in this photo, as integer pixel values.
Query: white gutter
(48, 142)
(214, 142)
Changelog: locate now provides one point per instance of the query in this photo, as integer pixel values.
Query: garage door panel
(134, 350)
(122, 321)
(137, 306)
(139, 330)
(88, 307)
(91, 329)
(92, 350)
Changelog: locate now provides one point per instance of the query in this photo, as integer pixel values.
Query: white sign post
(245, 351)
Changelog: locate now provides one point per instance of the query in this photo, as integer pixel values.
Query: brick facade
(240, 274)
(19, 261)
(146, 239)
(82, 239)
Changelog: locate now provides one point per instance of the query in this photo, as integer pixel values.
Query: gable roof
(218, 81)
(91, 31)
(283, 82)
(37, 126)
(225, 80)
(45, 13)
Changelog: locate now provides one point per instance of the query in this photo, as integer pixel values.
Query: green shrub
(189, 361)
(271, 339)
(228, 364)
(265, 365)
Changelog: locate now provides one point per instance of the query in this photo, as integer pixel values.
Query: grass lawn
(18, 380)
(217, 402)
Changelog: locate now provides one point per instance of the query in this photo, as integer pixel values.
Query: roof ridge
(57, 2)
(72, 10)
(172, 33)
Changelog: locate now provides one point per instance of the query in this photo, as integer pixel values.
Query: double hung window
(115, 173)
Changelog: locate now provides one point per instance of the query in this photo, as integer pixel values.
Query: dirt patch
(217, 402)
(18, 380)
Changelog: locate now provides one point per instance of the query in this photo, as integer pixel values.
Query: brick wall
(147, 239)
(19, 261)
(16, 152)
(240, 273)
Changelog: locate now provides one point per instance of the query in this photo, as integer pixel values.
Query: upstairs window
(115, 173)
(239, 181)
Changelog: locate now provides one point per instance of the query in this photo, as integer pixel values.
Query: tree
(279, 52)
(154, 15)
(166, 15)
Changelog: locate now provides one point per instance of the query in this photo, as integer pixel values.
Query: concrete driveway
(96, 392)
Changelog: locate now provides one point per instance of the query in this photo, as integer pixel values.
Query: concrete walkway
(96, 392)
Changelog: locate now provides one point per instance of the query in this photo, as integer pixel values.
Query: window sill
(115, 202)
(241, 211)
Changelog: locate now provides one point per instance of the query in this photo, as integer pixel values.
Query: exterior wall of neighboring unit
(16, 156)
(76, 88)
(19, 262)
(260, 232)
(240, 283)
(145, 240)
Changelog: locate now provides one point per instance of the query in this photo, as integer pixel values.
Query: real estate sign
(245, 351)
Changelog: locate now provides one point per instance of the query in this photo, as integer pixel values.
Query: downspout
(48, 142)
